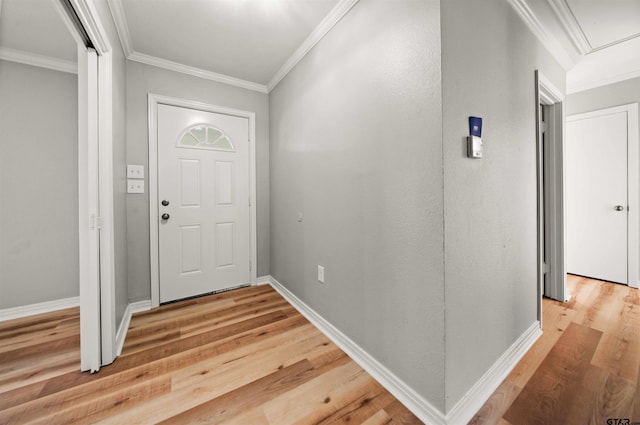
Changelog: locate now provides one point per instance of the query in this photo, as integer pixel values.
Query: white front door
(597, 202)
(203, 202)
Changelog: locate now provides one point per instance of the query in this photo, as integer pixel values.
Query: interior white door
(597, 201)
(203, 193)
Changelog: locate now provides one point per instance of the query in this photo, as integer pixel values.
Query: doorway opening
(550, 184)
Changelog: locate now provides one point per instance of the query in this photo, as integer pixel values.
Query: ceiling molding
(592, 84)
(196, 72)
(336, 14)
(41, 61)
(90, 20)
(613, 43)
(571, 26)
(540, 31)
(117, 12)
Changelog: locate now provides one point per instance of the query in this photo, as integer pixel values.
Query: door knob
(618, 208)
(165, 216)
(165, 203)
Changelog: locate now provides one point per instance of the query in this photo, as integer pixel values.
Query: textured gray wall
(488, 62)
(608, 96)
(38, 185)
(144, 79)
(356, 146)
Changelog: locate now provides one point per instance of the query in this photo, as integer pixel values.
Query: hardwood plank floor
(585, 367)
(240, 357)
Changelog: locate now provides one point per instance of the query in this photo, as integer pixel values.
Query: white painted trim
(107, 226)
(334, 16)
(263, 280)
(197, 72)
(90, 20)
(591, 84)
(549, 93)
(39, 308)
(473, 400)
(633, 185)
(403, 392)
(120, 20)
(132, 308)
(544, 36)
(41, 61)
(571, 26)
(89, 261)
(153, 102)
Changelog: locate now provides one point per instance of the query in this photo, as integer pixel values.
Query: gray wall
(608, 96)
(38, 185)
(143, 79)
(356, 146)
(119, 162)
(488, 62)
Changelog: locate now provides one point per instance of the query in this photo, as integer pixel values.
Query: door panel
(203, 173)
(596, 184)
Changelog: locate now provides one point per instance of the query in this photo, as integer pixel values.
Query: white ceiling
(34, 26)
(254, 43)
(596, 41)
(606, 23)
(245, 39)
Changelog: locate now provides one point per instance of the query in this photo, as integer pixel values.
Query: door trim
(153, 101)
(547, 94)
(633, 186)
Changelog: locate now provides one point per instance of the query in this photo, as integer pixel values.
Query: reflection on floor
(584, 369)
(244, 357)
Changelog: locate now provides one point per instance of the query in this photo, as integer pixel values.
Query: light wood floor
(583, 369)
(241, 357)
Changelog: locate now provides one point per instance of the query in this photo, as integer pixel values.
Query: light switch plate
(135, 186)
(135, 171)
(320, 273)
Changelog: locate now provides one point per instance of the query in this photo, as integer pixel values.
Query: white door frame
(553, 191)
(633, 186)
(95, 170)
(153, 101)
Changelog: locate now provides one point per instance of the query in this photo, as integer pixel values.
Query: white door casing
(208, 242)
(602, 198)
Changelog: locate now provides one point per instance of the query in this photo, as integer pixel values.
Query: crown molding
(571, 26)
(540, 31)
(90, 20)
(336, 14)
(117, 12)
(196, 72)
(41, 61)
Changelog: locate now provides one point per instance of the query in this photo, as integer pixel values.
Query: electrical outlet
(320, 274)
(135, 186)
(135, 171)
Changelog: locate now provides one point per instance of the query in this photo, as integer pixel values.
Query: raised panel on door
(203, 172)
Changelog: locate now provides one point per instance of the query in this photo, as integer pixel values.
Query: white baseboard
(464, 409)
(420, 407)
(263, 280)
(126, 319)
(472, 401)
(39, 308)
